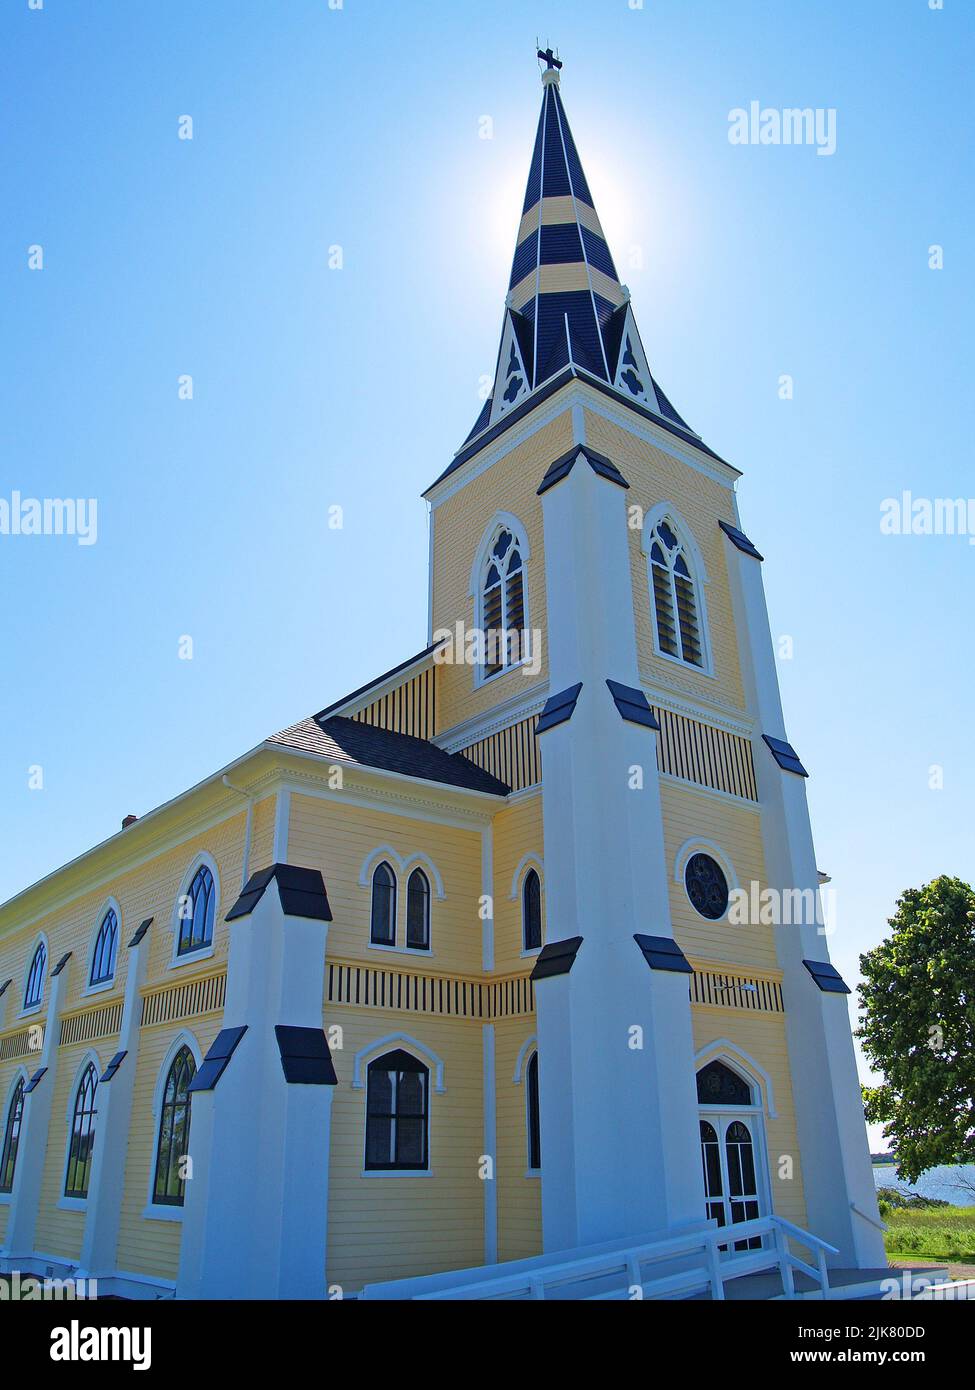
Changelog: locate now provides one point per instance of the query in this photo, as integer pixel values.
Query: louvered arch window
(676, 603)
(503, 602)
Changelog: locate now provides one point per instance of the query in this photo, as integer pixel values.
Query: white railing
(880, 1225)
(709, 1266)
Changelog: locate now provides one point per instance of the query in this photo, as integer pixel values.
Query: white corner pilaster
(834, 1155)
(100, 1242)
(256, 1208)
(282, 821)
(611, 1028)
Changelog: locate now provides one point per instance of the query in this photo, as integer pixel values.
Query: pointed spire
(566, 307)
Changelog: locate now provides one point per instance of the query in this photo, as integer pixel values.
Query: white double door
(732, 1152)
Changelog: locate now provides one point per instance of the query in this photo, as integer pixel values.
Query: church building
(466, 969)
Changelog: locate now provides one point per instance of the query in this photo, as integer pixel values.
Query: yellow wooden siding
(146, 1245)
(390, 1226)
(149, 890)
(517, 832)
(736, 830)
(262, 834)
(519, 1197)
(511, 754)
(509, 485)
(763, 1038)
(655, 476)
(408, 709)
(337, 839)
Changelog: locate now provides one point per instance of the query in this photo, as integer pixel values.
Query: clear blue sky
(314, 387)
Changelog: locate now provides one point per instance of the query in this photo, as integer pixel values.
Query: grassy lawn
(931, 1233)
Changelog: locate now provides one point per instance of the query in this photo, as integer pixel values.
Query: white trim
(430, 553)
(528, 860)
(512, 710)
(578, 389)
(684, 784)
(380, 1045)
(423, 951)
(110, 904)
(202, 857)
(404, 865)
(399, 1172)
(530, 1044)
(698, 843)
(724, 1050)
(282, 826)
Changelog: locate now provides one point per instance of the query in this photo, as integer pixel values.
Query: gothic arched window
(82, 1141)
(169, 1186)
(11, 1137)
(677, 612)
(196, 910)
(418, 911)
(34, 991)
(503, 603)
(106, 948)
(382, 931)
(534, 1129)
(397, 1112)
(531, 911)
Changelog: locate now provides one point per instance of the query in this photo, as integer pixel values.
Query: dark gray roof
(348, 740)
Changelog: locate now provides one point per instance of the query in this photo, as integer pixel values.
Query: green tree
(918, 1027)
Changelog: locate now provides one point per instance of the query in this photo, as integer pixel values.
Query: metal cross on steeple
(550, 59)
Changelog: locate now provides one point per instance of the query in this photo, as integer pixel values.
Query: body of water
(939, 1183)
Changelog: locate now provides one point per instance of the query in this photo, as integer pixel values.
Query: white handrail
(626, 1263)
(880, 1225)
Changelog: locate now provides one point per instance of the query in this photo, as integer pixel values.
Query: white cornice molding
(730, 721)
(501, 716)
(577, 390)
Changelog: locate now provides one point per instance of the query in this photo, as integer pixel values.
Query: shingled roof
(349, 741)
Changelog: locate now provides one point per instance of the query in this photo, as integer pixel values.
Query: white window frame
(177, 961)
(109, 905)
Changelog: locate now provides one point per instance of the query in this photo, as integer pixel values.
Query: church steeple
(566, 307)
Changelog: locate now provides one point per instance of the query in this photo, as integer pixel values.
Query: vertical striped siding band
(709, 756)
(409, 709)
(372, 988)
